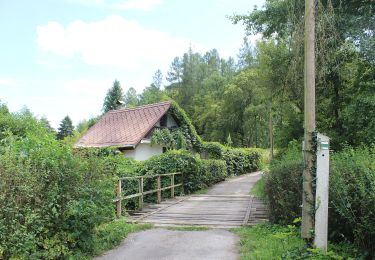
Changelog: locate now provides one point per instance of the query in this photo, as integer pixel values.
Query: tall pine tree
(114, 98)
(65, 129)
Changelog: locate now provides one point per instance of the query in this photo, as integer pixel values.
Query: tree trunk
(308, 198)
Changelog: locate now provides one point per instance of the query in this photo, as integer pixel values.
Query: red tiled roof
(123, 127)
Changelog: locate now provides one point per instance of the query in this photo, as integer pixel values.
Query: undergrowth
(267, 241)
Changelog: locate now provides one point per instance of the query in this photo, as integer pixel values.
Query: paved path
(240, 185)
(162, 244)
(228, 200)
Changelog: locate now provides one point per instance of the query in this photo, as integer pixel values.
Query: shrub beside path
(160, 243)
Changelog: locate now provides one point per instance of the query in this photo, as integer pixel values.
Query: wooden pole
(118, 203)
(158, 188)
(309, 120)
(141, 192)
(172, 186)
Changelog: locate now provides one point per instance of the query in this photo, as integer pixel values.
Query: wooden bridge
(226, 205)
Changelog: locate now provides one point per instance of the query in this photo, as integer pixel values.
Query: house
(130, 130)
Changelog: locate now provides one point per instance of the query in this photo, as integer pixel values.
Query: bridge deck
(225, 211)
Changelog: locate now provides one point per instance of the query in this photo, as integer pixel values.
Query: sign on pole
(322, 188)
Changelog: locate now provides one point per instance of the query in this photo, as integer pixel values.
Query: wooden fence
(141, 193)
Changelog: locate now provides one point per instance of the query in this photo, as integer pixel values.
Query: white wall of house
(143, 151)
(170, 122)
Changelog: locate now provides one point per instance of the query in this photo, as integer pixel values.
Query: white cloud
(144, 5)
(111, 42)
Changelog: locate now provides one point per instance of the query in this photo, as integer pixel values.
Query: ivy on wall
(193, 140)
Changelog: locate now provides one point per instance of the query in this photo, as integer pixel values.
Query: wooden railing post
(141, 192)
(158, 189)
(119, 195)
(172, 186)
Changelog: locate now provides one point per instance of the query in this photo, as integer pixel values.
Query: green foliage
(213, 150)
(84, 125)
(229, 141)
(131, 98)
(65, 129)
(110, 234)
(47, 125)
(352, 197)
(266, 241)
(238, 160)
(176, 161)
(193, 140)
(52, 199)
(18, 123)
(212, 171)
(171, 139)
(258, 189)
(197, 174)
(283, 185)
(114, 98)
(188, 228)
(345, 68)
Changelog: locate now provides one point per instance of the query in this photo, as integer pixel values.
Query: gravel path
(164, 244)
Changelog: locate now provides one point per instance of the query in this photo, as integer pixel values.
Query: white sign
(322, 188)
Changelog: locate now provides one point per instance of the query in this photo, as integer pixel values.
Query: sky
(59, 57)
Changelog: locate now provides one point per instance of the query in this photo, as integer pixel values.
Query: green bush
(197, 173)
(352, 197)
(238, 160)
(51, 199)
(283, 185)
(213, 171)
(213, 150)
(175, 161)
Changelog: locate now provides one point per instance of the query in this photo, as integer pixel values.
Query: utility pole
(308, 202)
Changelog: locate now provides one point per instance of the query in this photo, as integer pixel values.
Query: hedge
(197, 173)
(283, 186)
(51, 199)
(351, 196)
(238, 160)
(213, 171)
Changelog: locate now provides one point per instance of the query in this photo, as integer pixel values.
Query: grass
(201, 191)
(258, 188)
(111, 234)
(267, 241)
(188, 228)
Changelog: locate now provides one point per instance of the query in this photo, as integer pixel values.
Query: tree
(157, 79)
(47, 125)
(85, 124)
(175, 72)
(131, 98)
(114, 98)
(65, 129)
